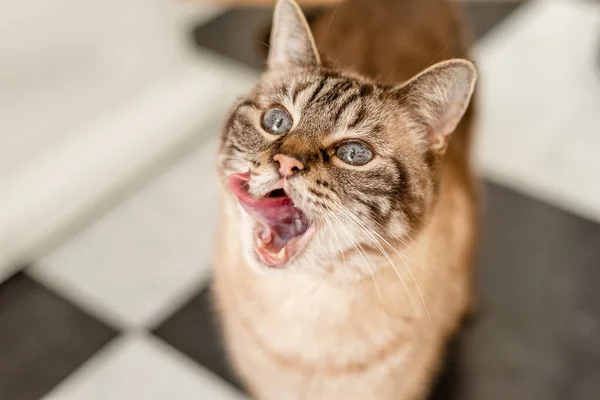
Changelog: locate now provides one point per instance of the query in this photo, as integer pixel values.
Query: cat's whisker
(389, 75)
(362, 254)
(402, 258)
(404, 243)
(436, 57)
(356, 245)
(384, 228)
(405, 97)
(335, 234)
(370, 233)
(427, 66)
(329, 24)
(389, 260)
(246, 185)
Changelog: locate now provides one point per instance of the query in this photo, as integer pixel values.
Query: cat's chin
(280, 230)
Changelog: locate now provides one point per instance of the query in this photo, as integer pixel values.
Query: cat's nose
(288, 166)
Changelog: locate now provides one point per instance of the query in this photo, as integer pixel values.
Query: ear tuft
(292, 44)
(440, 96)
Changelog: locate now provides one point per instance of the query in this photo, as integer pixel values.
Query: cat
(347, 228)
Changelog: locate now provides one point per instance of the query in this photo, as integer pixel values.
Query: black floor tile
(241, 33)
(482, 17)
(238, 34)
(43, 338)
(537, 334)
(194, 331)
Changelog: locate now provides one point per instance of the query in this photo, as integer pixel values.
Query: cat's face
(326, 164)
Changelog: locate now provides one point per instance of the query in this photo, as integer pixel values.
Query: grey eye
(354, 153)
(277, 121)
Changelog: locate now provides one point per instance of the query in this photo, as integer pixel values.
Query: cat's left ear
(292, 43)
(439, 97)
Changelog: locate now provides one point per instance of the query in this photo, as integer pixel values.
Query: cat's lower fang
(282, 253)
(271, 258)
(275, 256)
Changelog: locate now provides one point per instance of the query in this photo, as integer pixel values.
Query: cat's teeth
(281, 254)
(260, 244)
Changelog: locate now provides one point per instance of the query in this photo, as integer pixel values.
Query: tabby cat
(348, 217)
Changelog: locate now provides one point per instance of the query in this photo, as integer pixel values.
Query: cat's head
(324, 163)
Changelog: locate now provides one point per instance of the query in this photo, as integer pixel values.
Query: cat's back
(390, 40)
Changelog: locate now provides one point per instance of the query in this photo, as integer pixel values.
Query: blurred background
(109, 113)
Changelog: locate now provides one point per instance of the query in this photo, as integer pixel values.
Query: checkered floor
(123, 309)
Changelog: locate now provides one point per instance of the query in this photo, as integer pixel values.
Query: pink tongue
(285, 220)
(277, 214)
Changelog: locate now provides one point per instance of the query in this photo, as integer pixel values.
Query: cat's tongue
(282, 226)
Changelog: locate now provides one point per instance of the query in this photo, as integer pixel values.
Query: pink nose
(288, 166)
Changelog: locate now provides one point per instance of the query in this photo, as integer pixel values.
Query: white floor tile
(141, 367)
(540, 103)
(138, 262)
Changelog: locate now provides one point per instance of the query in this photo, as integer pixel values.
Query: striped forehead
(335, 100)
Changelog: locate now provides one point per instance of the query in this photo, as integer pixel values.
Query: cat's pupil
(351, 154)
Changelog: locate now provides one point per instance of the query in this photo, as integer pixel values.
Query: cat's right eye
(277, 121)
(354, 153)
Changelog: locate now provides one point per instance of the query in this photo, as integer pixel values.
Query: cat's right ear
(292, 44)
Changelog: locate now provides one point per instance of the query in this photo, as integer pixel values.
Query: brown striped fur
(365, 311)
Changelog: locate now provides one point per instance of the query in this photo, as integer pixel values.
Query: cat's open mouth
(283, 230)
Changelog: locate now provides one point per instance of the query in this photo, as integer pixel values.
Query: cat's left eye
(354, 153)
(277, 121)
